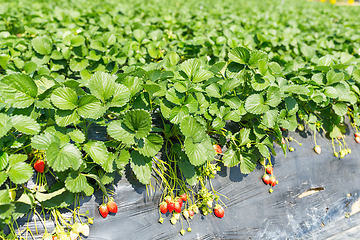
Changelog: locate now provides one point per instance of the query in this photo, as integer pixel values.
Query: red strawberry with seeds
(219, 211)
(168, 199)
(103, 210)
(179, 200)
(269, 169)
(163, 207)
(272, 181)
(171, 206)
(183, 197)
(112, 207)
(217, 148)
(357, 134)
(266, 179)
(39, 166)
(177, 207)
(317, 149)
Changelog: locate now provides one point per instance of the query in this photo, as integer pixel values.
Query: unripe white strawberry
(186, 214)
(317, 149)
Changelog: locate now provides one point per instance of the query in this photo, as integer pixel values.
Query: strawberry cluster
(110, 206)
(269, 178)
(182, 205)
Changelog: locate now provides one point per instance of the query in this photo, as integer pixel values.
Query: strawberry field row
(118, 66)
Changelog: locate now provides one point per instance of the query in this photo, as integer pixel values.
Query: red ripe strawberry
(177, 207)
(219, 211)
(168, 199)
(357, 134)
(183, 197)
(272, 181)
(217, 148)
(39, 166)
(191, 213)
(179, 200)
(171, 206)
(317, 149)
(112, 207)
(266, 179)
(103, 210)
(357, 139)
(163, 207)
(269, 169)
(54, 238)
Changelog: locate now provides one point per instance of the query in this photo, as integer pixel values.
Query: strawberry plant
(201, 90)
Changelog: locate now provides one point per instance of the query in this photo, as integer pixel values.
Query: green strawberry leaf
(20, 173)
(4, 160)
(76, 182)
(77, 136)
(199, 152)
(247, 161)
(62, 158)
(141, 166)
(190, 127)
(340, 108)
(178, 113)
(6, 210)
(5, 124)
(97, 151)
(90, 107)
(42, 197)
(190, 67)
(273, 97)
(296, 89)
(64, 118)
(138, 122)
(231, 157)
(77, 64)
(187, 169)
(3, 177)
(102, 85)
(255, 104)
(42, 45)
(150, 145)
(118, 130)
(331, 92)
(109, 165)
(291, 105)
(43, 141)
(275, 67)
(139, 34)
(122, 160)
(25, 124)
(18, 90)
(270, 118)
(64, 98)
(334, 77)
(258, 58)
(4, 59)
(240, 55)
(121, 95)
